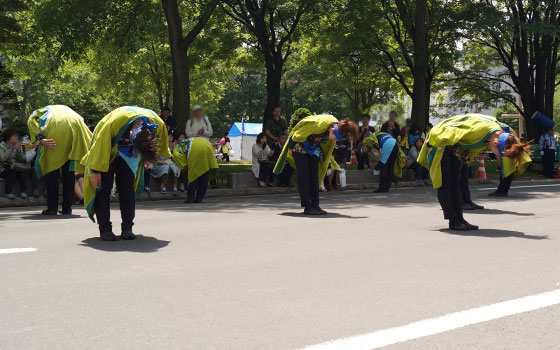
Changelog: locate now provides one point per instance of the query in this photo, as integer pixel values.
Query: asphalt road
(252, 273)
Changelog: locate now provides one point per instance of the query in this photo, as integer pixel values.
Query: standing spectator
(391, 126)
(547, 144)
(170, 122)
(199, 125)
(275, 127)
(365, 130)
(262, 166)
(420, 173)
(285, 177)
(12, 155)
(224, 147)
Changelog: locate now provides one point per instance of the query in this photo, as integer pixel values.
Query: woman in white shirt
(262, 166)
(198, 125)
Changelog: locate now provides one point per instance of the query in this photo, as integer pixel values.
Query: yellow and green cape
(67, 129)
(373, 142)
(196, 155)
(312, 125)
(469, 131)
(103, 148)
(514, 166)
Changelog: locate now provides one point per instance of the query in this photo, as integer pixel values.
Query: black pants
(225, 157)
(465, 191)
(124, 178)
(450, 194)
(11, 177)
(308, 179)
(505, 184)
(363, 159)
(387, 170)
(68, 181)
(548, 162)
(265, 172)
(285, 177)
(196, 190)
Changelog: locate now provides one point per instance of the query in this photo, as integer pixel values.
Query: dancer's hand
(49, 143)
(95, 179)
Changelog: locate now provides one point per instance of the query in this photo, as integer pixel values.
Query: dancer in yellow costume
(309, 150)
(455, 141)
(124, 142)
(196, 155)
(63, 140)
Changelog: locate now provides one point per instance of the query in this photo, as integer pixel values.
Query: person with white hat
(198, 125)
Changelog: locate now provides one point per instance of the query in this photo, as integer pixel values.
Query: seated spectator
(165, 169)
(12, 163)
(420, 173)
(365, 130)
(199, 125)
(427, 129)
(285, 177)
(262, 165)
(340, 156)
(79, 186)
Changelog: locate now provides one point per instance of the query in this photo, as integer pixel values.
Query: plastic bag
(342, 176)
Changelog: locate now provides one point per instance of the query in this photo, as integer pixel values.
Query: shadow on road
(330, 215)
(142, 244)
(497, 212)
(41, 217)
(493, 233)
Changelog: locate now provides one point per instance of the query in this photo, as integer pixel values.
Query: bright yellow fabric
(103, 148)
(67, 129)
(468, 131)
(197, 156)
(312, 125)
(373, 142)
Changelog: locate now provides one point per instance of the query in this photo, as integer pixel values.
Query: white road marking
(441, 324)
(17, 250)
(527, 186)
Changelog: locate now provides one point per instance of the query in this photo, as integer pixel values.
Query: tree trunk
(421, 85)
(25, 92)
(273, 81)
(179, 64)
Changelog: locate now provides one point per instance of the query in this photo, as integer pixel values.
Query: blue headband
(145, 124)
(506, 128)
(337, 134)
(502, 143)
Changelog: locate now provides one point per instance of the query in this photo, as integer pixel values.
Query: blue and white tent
(241, 141)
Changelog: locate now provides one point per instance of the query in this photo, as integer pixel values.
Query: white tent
(241, 141)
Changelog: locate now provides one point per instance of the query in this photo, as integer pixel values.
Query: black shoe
(497, 194)
(188, 201)
(312, 211)
(128, 235)
(198, 201)
(476, 206)
(65, 212)
(458, 227)
(321, 211)
(49, 212)
(467, 206)
(379, 190)
(108, 236)
(470, 226)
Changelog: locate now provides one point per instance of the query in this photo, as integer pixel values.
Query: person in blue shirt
(547, 144)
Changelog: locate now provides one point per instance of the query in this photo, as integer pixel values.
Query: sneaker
(10, 196)
(321, 211)
(23, 195)
(146, 188)
(65, 212)
(175, 191)
(163, 190)
(108, 236)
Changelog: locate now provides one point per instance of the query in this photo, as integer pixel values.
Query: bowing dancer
(392, 158)
(454, 142)
(63, 140)
(196, 155)
(510, 168)
(309, 150)
(125, 141)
